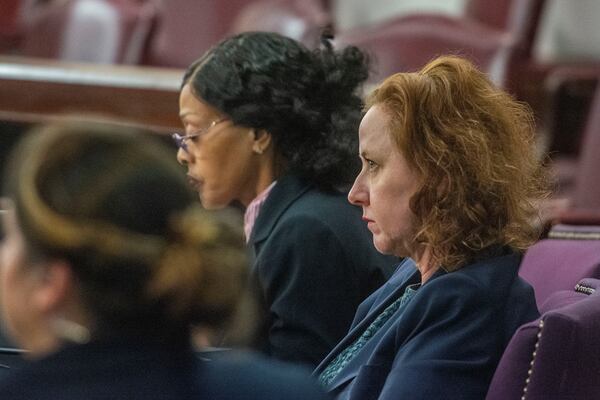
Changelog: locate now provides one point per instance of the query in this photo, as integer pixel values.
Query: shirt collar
(253, 210)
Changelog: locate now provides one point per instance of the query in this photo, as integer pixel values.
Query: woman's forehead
(375, 123)
(190, 106)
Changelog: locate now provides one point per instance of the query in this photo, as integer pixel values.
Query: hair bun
(308, 100)
(202, 271)
(327, 37)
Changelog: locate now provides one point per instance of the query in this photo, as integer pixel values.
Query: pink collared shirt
(254, 208)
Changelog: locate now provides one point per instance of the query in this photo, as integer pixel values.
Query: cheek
(393, 214)
(222, 158)
(12, 302)
(225, 177)
(17, 286)
(236, 172)
(209, 166)
(6, 278)
(387, 204)
(208, 169)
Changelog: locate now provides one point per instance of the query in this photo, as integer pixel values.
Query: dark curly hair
(307, 100)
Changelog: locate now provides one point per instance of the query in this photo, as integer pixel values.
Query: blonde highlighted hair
(114, 203)
(473, 147)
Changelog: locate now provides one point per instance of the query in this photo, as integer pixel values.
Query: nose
(359, 193)
(182, 156)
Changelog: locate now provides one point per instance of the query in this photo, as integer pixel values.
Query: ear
(54, 285)
(262, 141)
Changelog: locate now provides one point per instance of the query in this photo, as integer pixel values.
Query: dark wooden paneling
(35, 90)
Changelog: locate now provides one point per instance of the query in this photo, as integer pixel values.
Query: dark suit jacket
(140, 371)
(448, 340)
(315, 263)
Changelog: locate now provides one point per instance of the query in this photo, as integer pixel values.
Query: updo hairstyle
(113, 203)
(309, 101)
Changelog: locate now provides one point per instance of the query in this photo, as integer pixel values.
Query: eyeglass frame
(181, 139)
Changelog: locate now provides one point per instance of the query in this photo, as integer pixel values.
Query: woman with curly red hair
(449, 180)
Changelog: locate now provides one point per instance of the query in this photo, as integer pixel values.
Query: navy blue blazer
(315, 263)
(448, 340)
(132, 370)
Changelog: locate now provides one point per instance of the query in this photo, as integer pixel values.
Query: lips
(367, 219)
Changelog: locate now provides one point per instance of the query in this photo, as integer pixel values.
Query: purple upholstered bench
(557, 356)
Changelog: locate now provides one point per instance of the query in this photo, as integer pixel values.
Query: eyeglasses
(180, 140)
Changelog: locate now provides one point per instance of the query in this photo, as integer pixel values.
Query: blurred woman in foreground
(449, 178)
(106, 265)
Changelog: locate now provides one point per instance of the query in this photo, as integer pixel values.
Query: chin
(212, 204)
(383, 246)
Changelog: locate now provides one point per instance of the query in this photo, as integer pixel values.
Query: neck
(425, 264)
(263, 178)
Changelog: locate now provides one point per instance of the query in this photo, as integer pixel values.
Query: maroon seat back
(578, 176)
(98, 31)
(187, 29)
(408, 42)
(492, 13)
(302, 20)
(522, 78)
(10, 28)
(587, 181)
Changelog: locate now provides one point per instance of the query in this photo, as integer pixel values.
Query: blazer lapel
(405, 275)
(284, 193)
(405, 272)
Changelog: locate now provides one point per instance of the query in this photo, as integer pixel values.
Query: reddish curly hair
(473, 147)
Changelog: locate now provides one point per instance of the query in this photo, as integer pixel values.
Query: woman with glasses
(270, 125)
(107, 263)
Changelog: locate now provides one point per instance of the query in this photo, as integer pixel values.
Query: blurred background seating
(571, 253)
(542, 51)
(302, 20)
(9, 24)
(97, 31)
(577, 171)
(186, 29)
(494, 37)
(349, 14)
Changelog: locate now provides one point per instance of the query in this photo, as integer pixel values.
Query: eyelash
(371, 165)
